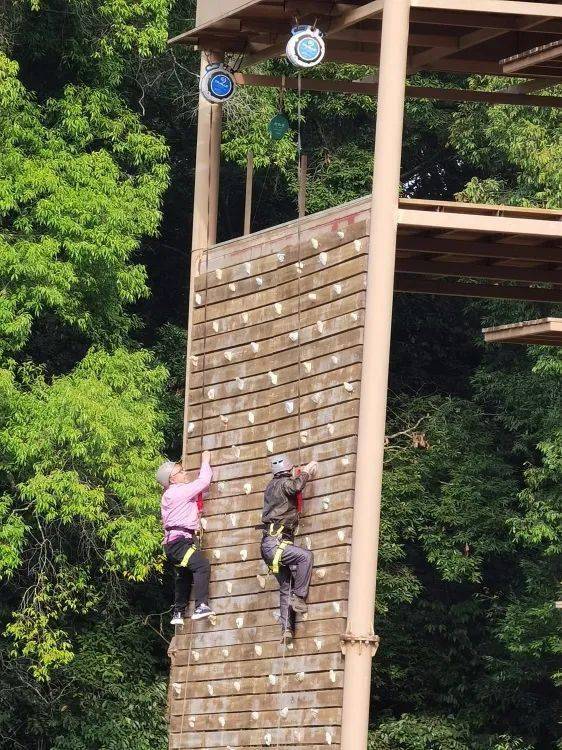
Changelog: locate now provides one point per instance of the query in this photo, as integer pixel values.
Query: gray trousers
(295, 572)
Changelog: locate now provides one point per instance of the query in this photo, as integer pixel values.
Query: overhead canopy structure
(546, 331)
(454, 36)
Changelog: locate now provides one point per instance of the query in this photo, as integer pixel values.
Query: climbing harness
(187, 557)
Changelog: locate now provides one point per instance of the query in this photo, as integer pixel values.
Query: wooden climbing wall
(275, 367)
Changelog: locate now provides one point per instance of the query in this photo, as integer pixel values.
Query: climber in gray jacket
(291, 565)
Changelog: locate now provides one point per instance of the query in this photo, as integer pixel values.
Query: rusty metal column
(359, 642)
(205, 204)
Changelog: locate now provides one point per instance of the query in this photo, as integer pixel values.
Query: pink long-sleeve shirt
(179, 504)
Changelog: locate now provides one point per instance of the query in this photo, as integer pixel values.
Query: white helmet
(281, 463)
(164, 473)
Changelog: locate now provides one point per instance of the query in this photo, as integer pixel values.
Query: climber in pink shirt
(181, 505)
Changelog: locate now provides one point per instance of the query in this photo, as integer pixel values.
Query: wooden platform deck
(546, 332)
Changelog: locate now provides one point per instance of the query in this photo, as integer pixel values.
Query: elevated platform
(546, 332)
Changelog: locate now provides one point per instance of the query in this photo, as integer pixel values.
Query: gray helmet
(164, 473)
(281, 463)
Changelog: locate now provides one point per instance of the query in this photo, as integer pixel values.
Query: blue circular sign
(221, 86)
(309, 49)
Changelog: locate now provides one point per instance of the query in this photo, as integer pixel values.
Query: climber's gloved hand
(311, 468)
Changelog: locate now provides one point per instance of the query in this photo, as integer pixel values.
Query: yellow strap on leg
(187, 556)
(278, 554)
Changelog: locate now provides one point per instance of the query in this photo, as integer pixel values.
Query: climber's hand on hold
(311, 468)
(206, 457)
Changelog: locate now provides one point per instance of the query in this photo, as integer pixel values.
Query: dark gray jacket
(280, 501)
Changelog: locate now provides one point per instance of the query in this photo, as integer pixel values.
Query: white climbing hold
(357, 245)
(341, 535)
(326, 503)
(294, 336)
(224, 419)
(321, 573)
(331, 429)
(323, 258)
(191, 722)
(233, 519)
(314, 243)
(247, 488)
(195, 655)
(225, 652)
(261, 581)
(222, 486)
(320, 326)
(255, 716)
(341, 234)
(204, 523)
(232, 287)
(251, 417)
(210, 690)
(267, 739)
(335, 359)
(237, 686)
(218, 273)
(248, 268)
(269, 446)
(239, 622)
(348, 387)
(176, 687)
(222, 721)
(245, 317)
(259, 281)
(300, 676)
(229, 587)
(328, 738)
(345, 461)
(258, 649)
(314, 713)
(312, 297)
(299, 266)
(308, 542)
(217, 554)
(304, 436)
(284, 712)
(318, 643)
(274, 377)
(289, 407)
(235, 451)
(355, 317)
(194, 360)
(272, 679)
(211, 393)
(337, 607)
(240, 384)
(307, 366)
(278, 308)
(280, 257)
(229, 356)
(216, 326)
(337, 288)
(255, 347)
(332, 675)
(317, 398)
(244, 554)
(190, 428)
(198, 299)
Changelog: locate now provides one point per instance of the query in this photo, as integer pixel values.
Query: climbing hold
(228, 356)
(194, 360)
(272, 679)
(354, 317)
(232, 287)
(280, 257)
(204, 523)
(341, 535)
(211, 393)
(240, 384)
(300, 676)
(198, 299)
(259, 280)
(258, 649)
(304, 436)
(190, 428)
(223, 419)
(176, 687)
(335, 359)
(239, 622)
(318, 643)
(245, 317)
(314, 243)
(345, 461)
(251, 417)
(331, 429)
(337, 288)
(229, 587)
(284, 712)
(321, 573)
(222, 721)
(337, 607)
(269, 446)
(326, 503)
(294, 336)
(307, 366)
(237, 686)
(357, 245)
(317, 398)
(278, 308)
(323, 258)
(235, 451)
(191, 722)
(222, 486)
(289, 407)
(217, 554)
(233, 519)
(255, 347)
(332, 675)
(195, 655)
(348, 387)
(328, 738)
(341, 234)
(312, 297)
(267, 739)
(273, 377)
(299, 266)
(255, 716)
(218, 273)
(225, 652)
(210, 690)
(261, 581)
(216, 326)
(248, 268)
(247, 488)
(308, 542)
(314, 713)
(244, 554)
(320, 326)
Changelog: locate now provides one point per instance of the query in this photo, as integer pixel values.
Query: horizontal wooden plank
(301, 737)
(297, 717)
(247, 685)
(267, 601)
(271, 701)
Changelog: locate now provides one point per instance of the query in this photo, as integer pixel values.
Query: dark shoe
(299, 605)
(177, 617)
(287, 636)
(201, 612)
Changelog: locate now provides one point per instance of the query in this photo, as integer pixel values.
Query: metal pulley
(217, 84)
(306, 47)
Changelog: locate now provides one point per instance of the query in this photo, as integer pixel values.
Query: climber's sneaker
(299, 605)
(202, 611)
(287, 637)
(177, 617)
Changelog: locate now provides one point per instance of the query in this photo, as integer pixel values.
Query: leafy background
(97, 126)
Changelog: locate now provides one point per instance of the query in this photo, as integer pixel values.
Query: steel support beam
(359, 637)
